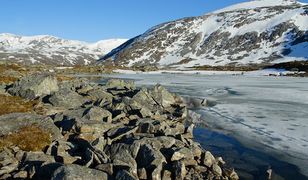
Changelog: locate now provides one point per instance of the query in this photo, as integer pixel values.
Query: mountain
(45, 49)
(254, 32)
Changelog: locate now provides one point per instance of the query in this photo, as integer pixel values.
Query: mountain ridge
(47, 49)
(253, 32)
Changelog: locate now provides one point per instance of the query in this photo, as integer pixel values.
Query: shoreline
(101, 131)
(167, 83)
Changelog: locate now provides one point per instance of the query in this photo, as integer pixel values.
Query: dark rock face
(119, 132)
(240, 36)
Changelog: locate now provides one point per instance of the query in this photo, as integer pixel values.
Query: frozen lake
(268, 114)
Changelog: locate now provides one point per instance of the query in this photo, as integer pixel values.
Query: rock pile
(112, 131)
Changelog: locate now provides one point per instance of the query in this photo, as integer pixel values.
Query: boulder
(216, 170)
(153, 161)
(8, 163)
(34, 86)
(208, 159)
(97, 94)
(73, 171)
(120, 84)
(162, 96)
(124, 175)
(98, 114)
(13, 122)
(179, 170)
(67, 98)
(182, 153)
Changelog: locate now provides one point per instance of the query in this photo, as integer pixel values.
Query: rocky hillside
(52, 50)
(255, 32)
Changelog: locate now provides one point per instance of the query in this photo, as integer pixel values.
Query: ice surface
(266, 113)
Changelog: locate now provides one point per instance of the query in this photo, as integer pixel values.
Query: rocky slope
(52, 50)
(255, 32)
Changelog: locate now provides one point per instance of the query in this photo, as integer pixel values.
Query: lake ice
(267, 113)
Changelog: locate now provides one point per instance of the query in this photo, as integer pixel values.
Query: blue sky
(92, 20)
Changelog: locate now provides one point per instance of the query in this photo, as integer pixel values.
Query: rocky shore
(77, 129)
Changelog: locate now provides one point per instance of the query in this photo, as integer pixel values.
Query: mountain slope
(46, 49)
(255, 32)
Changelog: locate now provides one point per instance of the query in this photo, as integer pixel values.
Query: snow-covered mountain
(254, 32)
(45, 49)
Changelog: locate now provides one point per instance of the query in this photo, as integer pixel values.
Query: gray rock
(124, 160)
(120, 84)
(179, 170)
(216, 170)
(142, 173)
(99, 94)
(7, 162)
(3, 90)
(72, 172)
(162, 96)
(74, 84)
(67, 98)
(37, 158)
(98, 114)
(13, 122)
(182, 153)
(158, 142)
(107, 168)
(208, 159)
(34, 86)
(124, 175)
(167, 175)
(153, 161)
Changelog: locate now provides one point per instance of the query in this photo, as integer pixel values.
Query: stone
(162, 96)
(7, 162)
(179, 170)
(153, 161)
(142, 173)
(118, 148)
(99, 94)
(167, 175)
(124, 159)
(98, 114)
(158, 142)
(124, 175)
(216, 170)
(189, 131)
(208, 159)
(73, 171)
(34, 86)
(107, 168)
(37, 158)
(75, 84)
(182, 153)
(67, 98)
(21, 175)
(13, 122)
(120, 84)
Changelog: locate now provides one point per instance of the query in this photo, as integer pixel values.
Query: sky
(93, 20)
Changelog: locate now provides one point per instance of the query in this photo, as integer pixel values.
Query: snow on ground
(256, 4)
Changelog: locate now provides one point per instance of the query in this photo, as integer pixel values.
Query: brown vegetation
(13, 104)
(28, 138)
(62, 78)
(7, 79)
